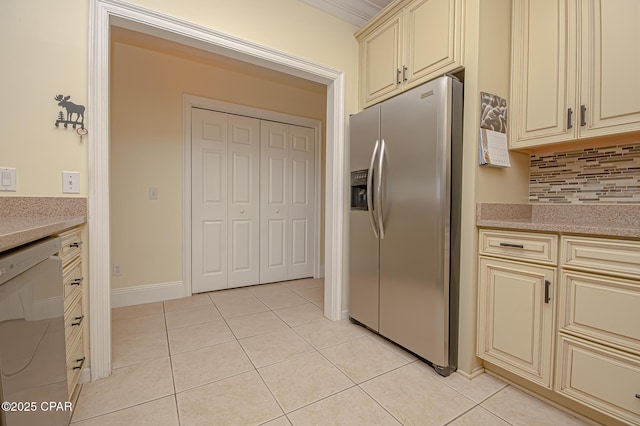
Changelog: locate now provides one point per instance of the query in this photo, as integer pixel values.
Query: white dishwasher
(33, 373)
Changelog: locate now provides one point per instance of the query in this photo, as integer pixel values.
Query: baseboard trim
(146, 293)
(475, 373)
(85, 375)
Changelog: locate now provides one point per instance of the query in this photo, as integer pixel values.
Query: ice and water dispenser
(359, 189)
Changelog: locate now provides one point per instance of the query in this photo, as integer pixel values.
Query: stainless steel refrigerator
(405, 220)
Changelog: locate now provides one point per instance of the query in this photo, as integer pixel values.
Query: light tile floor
(266, 355)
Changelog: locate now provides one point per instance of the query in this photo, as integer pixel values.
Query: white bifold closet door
(287, 201)
(252, 201)
(225, 200)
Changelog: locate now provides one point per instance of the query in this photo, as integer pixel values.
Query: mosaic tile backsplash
(609, 175)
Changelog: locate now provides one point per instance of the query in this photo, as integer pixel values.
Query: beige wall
(147, 84)
(44, 54)
(487, 59)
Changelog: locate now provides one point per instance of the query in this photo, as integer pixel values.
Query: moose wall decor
(78, 110)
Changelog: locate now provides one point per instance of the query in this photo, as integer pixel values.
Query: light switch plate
(7, 179)
(70, 182)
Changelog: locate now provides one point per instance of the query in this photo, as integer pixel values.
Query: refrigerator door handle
(372, 219)
(379, 190)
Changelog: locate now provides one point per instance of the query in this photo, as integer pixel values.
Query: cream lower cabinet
(515, 314)
(410, 43)
(572, 68)
(599, 325)
(579, 335)
(73, 282)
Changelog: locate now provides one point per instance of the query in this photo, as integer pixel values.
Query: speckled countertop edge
(598, 220)
(26, 219)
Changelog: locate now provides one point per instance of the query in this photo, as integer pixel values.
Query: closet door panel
(275, 195)
(301, 209)
(244, 201)
(209, 200)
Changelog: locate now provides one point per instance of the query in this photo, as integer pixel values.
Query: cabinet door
(515, 317)
(433, 42)
(610, 66)
(543, 72)
(380, 61)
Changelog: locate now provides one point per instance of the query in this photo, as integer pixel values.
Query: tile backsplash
(609, 175)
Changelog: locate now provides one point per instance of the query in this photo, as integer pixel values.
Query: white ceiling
(357, 12)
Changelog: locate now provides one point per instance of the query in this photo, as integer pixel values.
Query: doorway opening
(103, 15)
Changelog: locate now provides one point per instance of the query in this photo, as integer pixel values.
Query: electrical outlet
(117, 270)
(153, 193)
(70, 182)
(7, 179)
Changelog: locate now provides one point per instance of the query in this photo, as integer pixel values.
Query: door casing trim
(105, 13)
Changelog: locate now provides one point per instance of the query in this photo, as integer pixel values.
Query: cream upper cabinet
(610, 87)
(380, 56)
(571, 75)
(409, 43)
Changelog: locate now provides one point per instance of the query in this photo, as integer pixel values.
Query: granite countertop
(26, 219)
(598, 220)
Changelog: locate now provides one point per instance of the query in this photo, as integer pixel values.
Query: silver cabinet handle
(77, 281)
(404, 73)
(76, 244)
(583, 115)
(379, 189)
(374, 226)
(521, 246)
(398, 76)
(570, 118)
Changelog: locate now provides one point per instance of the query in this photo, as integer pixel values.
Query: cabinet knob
(277, 211)
(638, 395)
(241, 210)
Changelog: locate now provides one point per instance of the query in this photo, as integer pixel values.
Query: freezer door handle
(370, 188)
(379, 190)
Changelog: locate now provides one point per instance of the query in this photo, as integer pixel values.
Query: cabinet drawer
(75, 362)
(73, 319)
(540, 248)
(611, 257)
(71, 243)
(602, 308)
(72, 279)
(603, 378)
